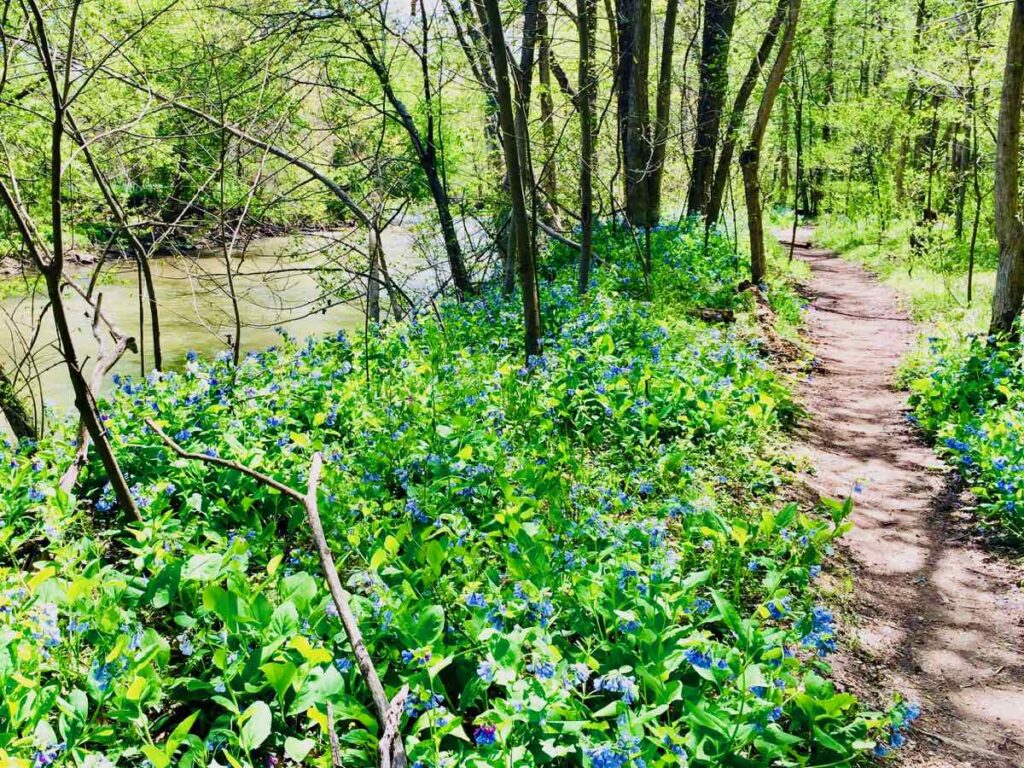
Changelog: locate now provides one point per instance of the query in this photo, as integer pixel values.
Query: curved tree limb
(395, 752)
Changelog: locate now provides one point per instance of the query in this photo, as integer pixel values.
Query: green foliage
(967, 393)
(933, 281)
(574, 561)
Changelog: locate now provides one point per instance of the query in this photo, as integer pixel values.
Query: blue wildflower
(485, 735)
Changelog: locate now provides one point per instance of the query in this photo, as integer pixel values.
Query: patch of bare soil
(934, 614)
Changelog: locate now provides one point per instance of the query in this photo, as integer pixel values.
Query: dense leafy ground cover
(967, 392)
(574, 562)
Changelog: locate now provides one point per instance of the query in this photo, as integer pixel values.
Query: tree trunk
(513, 162)
(53, 274)
(634, 32)
(373, 285)
(1009, 290)
(830, 71)
(800, 183)
(961, 162)
(522, 95)
(784, 150)
(14, 410)
(138, 249)
(548, 181)
(750, 159)
(426, 154)
(663, 108)
(909, 103)
(739, 106)
(586, 22)
(719, 17)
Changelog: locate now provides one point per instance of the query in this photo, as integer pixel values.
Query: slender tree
(739, 106)
(663, 108)
(50, 260)
(1009, 290)
(586, 24)
(719, 18)
(424, 142)
(511, 143)
(635, 136)
(750, 158)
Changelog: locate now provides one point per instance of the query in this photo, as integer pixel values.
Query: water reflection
(274, 281)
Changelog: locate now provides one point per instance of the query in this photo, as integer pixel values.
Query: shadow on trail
(936, 616)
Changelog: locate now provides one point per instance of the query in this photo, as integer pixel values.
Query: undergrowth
(967, 393)
(577, 561)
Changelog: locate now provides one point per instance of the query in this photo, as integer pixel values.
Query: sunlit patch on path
(937, 617)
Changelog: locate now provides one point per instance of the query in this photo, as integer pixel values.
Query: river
(292, 282)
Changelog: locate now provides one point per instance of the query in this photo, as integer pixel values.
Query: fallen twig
(395, 757)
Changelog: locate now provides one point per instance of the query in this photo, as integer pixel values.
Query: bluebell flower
(485, 735)
(701, 606)
(616, 682)
(544, 669)
(581, 673)
(101, 675)
(777, 609)
(698, 658)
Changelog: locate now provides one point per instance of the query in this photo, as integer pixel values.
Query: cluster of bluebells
(968, 393)
(525, 535)
(901, 718)
(822, 631)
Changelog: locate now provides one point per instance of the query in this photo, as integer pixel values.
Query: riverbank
(310, 284)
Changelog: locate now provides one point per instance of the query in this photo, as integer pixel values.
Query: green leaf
(828, 742)
(180, 732)
(297, 749)
(280, 676)
(731, 618)
(299, 588)
(255, 726)
(430, 625)
(156, 756)
(202, 567)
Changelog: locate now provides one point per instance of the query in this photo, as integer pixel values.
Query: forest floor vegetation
(584, 557)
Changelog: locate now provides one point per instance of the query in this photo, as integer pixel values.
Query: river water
(296, 282)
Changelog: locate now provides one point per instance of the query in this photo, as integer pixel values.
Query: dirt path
(935, 616)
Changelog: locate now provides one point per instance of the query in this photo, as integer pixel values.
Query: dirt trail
(935, 615)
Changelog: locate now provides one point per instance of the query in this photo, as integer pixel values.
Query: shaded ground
(934, 614)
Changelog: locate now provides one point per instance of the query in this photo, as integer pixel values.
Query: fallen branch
(108, 357)
(390, 733)
(333, 735)
(395, 757)
(556, 235)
